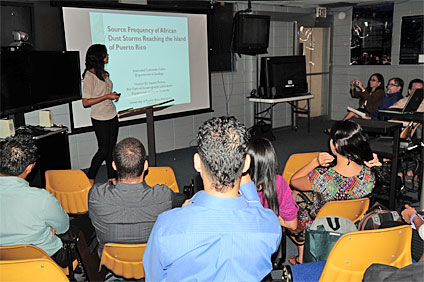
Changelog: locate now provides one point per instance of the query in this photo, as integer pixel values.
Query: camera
(20, 36)
(355, 82)
(20, 42)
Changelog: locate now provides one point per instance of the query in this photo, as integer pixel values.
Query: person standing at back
(219, 236)
(97, 94)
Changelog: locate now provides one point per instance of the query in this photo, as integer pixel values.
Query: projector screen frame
(134, 7)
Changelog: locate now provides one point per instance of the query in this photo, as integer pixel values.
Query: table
(388, 148)
(263, 108)
(417, 117)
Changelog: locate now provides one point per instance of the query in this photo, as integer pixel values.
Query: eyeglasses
(391, 84)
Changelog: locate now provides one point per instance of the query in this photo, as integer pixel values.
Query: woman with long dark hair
(370, 97)
(350, 178)
(273, 190)
(97, 93)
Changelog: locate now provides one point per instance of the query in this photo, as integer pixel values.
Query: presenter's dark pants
(106, 133)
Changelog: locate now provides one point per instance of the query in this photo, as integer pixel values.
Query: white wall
(343, 73)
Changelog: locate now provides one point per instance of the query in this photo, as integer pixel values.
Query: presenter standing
(97, 94)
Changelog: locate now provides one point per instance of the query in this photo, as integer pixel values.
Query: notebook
(411, 105)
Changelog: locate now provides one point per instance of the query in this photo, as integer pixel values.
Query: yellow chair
(162, 175)
(350, 209)
(124, 260)
(70, 187)
(38, 269)
(296, 162)
(354, 252)
(20, 256)
(293, 164)
(21, 252)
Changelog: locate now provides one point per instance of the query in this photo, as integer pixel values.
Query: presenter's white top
(94, 88)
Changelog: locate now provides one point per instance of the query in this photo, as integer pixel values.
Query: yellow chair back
(39, 269)
(124, 260)
(28, 263)
(296, 162)
(354, 252)
(350, 209)
(21, 252)
(70, 187)
(162, 175)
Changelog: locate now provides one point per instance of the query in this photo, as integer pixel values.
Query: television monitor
(15, 83)
(56, 78)
(283, 76)
(251, 34)
(33, 80)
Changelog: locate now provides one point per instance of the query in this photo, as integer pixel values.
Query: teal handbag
(318, 244)
(323, 234)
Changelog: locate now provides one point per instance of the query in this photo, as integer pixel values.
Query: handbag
(323, 234)
(318, 244)
(379, 216)
(304, 217)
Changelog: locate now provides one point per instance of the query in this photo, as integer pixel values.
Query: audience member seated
(219, 236)
(350, 178)
(369, 97)
(127, 211)
(28, 215)
(272, 189)
(413, 84)
(393, 94)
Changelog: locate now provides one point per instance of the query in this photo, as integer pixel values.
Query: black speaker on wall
(251, 34)
(219, 37)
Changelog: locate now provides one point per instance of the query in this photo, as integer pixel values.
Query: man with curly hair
(28, 215)
(219, 236)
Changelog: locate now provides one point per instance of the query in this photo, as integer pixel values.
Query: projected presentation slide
(153, 57)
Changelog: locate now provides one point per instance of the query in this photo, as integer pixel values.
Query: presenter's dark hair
(351, 141)
(416, 80)
(16, 153)
(380, 79)
(94, 59)
(129, 157)
(263, 168)
(222, 146)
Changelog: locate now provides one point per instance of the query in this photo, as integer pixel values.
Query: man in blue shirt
(220, 236)
(393, 94)
(28, 215)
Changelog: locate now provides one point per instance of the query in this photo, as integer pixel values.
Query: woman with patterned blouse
(350, 178)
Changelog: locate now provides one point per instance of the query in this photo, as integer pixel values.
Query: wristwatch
(412, 219)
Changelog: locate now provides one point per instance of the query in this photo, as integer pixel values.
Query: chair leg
(68, 249)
